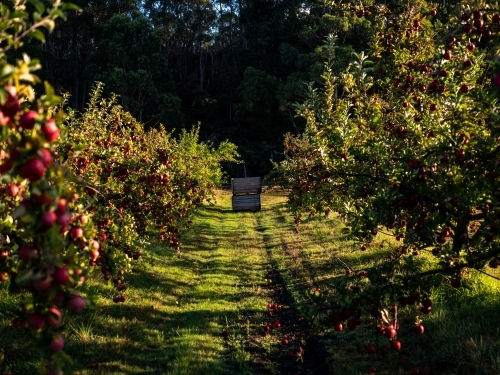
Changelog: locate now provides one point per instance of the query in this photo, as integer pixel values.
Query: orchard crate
(249, 202)
(246, 185)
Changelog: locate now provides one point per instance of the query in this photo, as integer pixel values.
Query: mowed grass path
(176, 309)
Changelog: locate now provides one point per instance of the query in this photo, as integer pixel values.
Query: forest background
(235, 66)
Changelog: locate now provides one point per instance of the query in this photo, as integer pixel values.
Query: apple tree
(138, 182)
(82, 190)
(46, 236)
(405, 141)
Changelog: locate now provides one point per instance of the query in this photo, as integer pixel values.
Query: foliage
(82, 194)
(405, 141)
(42, 243)
(182, 62)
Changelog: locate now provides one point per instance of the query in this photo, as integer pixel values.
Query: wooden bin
(250, 202)
(246, 193)
(247, 185)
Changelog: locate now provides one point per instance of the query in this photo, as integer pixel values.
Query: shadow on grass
(127, 339)
(173, 348)
(154, 337)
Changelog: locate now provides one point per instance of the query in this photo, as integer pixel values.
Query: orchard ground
(206, 312)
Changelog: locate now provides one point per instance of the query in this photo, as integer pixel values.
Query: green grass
(462, 333)
(177, 309)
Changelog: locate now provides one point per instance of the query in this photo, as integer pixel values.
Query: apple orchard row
(84, 191)
(404, 143)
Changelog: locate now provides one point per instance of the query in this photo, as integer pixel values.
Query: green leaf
(38, 5)
(6, 72)
(50, 97)
(36, 17)
(37, 34)
(57, 13)
(49, 90)
(19, 13)
(48, 23)
(70, 6)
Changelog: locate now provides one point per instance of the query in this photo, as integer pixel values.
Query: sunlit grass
(177, 309)
(462, 333)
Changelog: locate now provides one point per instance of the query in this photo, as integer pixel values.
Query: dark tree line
(236, 66)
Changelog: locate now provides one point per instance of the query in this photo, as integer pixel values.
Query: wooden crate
(249, 202)
(247, 185)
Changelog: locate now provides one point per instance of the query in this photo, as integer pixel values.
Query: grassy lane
(176, 312)
(205, 312)
(462, 335)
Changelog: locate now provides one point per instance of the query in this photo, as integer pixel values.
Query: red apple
(76, 303)
(390, 332)
(63, 219)
(35, 320)
(4, 253)
(419, 329)
(11, 105)
(396, 345)
(27, 120)
(93, 253)
(54, 318)
(33, 169)
(426, 309)
(83, 219)
(48, 219)
(467, 28)
(76, 232)
(12, 190)
(50, 130)
(61, 276)
(42, 285)
(45, 156)
(460, 154)
(57, 343)
(62, 205)
(27, 253)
